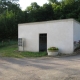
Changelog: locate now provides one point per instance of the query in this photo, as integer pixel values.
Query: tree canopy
(11, 14)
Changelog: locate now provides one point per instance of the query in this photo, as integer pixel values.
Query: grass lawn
(12, 51)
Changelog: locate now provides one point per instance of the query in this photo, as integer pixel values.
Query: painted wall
(59, 34)
(76, 31)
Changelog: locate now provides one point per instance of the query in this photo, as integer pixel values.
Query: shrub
(53, 49)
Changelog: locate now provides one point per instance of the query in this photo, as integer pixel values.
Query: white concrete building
(39, 36)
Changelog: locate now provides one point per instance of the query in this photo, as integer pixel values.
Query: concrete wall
(76, 31)
(59, 34)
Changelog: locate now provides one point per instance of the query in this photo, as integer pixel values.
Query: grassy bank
(11, 50)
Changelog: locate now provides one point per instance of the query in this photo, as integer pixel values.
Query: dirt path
(45, 68)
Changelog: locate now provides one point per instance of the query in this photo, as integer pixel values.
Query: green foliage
(53, 49)
(53, 1)
(38, 13)
(6, 43)
(68, 2)
(78, 48)
(8, 25)
(10, 49)
(11, 14)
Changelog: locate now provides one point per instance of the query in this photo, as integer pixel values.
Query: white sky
(25, 3)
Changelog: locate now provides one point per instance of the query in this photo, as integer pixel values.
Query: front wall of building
(59, 34)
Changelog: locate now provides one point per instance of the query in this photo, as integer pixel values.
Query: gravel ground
(45, 68)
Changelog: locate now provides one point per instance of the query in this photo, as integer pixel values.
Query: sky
(25, 3)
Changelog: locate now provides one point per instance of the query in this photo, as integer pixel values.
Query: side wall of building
(76, 31)
(59, 34)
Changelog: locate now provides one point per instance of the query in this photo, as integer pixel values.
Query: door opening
(43, 42)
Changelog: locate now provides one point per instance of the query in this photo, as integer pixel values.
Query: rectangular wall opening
(43, 42)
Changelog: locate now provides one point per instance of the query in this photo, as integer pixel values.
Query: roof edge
(60, 20)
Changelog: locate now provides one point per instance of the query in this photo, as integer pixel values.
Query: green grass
(11, 50)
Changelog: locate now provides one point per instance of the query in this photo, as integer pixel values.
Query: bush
(53, 49)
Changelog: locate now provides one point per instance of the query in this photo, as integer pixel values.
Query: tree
(8, 25)
(38, 13)
(53, 1)
(32, 11)
(10, 16)
(33, 6)
(68, 2)
(48, 12)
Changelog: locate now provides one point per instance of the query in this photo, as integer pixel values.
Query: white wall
(76, 32)
(59, 34)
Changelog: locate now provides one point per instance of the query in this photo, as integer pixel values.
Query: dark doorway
(42, 42)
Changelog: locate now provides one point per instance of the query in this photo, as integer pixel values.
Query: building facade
(39, 36)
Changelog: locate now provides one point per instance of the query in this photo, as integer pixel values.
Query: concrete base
(52, 53)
